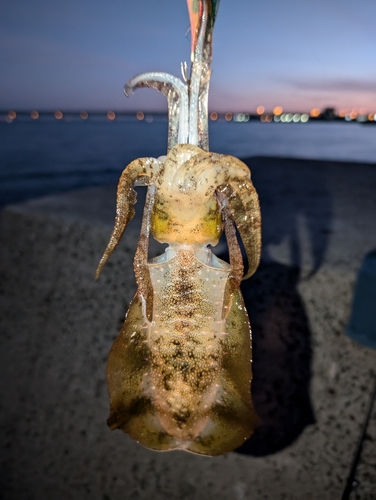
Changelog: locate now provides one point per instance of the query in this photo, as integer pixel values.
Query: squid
(179, 373)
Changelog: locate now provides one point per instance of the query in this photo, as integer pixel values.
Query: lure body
(179, 373)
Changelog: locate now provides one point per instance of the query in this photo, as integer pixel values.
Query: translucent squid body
(179, 373)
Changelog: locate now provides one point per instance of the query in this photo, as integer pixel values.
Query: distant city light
(260, 110)
(266, 118)
(277, 116)
(241, 117)
(290, 117)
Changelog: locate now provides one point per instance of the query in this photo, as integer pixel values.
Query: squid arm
(243, 202)
(140, 264)
(235, 255)
(140, 172)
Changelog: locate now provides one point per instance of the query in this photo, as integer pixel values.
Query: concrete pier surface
(312, 384)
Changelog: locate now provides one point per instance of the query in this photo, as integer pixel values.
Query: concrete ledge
(312, 384)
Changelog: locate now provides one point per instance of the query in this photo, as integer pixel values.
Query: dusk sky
(78, 54)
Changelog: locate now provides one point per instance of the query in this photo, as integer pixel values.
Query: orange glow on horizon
(228, 117)
(315, 112)
(278, 110)
(214, 116)
(371, 117)
(140, 115)
(34, 115)
(12, 115)
(83, 115)
(260, 110)
(342, 113)
(58, 115)
(111, 115)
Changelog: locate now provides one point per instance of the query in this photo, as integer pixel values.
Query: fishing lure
(179, 372)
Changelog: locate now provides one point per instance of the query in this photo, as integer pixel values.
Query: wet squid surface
(179, 383)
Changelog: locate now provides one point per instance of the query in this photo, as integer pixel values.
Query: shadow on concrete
(293, 193)
(281, 358)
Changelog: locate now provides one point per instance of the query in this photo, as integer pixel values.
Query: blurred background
(292, 79)
(293, 94)
(298, 55)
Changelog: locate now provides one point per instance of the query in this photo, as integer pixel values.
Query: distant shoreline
(112, 115)
(50, 156)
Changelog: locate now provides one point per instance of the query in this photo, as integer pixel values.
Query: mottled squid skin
(179, 374)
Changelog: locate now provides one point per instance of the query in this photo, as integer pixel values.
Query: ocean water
(46, 156)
